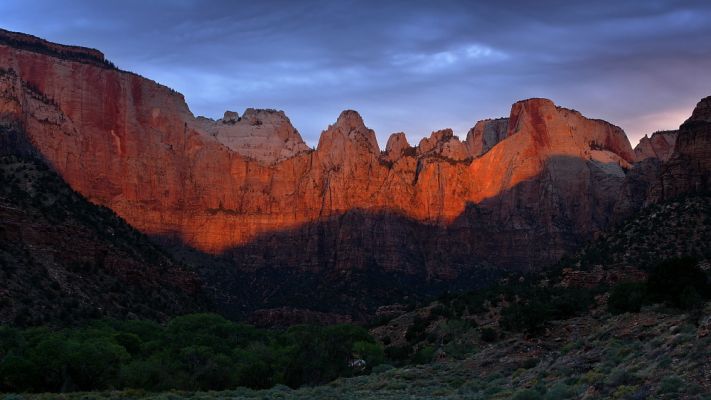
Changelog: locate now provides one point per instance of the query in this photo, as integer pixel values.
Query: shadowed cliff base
(352, 263)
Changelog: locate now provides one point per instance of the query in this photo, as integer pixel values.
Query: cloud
(444, 60)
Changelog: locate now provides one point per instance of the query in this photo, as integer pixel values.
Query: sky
(411, 66)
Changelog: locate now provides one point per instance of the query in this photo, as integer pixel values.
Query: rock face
(266, 136)
(518, 193)
(660, 146)
(443, 144)
(397, 147)
(485, 135)
(133, 145)
(688, 169)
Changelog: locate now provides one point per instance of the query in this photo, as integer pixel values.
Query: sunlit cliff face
(132, 145)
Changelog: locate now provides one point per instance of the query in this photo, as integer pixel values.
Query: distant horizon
(410, 67)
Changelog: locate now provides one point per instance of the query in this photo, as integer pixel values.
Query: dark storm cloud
(410, 65)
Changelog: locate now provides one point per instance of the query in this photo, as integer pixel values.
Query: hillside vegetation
(65, 260)
(576, 331)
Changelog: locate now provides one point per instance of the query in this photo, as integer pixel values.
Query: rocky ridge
(518, 193)
(688, 169)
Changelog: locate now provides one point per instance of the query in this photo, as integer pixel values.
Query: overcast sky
(409, 66)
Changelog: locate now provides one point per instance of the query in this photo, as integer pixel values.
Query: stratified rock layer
(132, 145)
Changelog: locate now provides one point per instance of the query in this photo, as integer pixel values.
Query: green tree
(17, 374)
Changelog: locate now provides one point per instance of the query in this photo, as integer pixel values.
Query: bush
(416, 332)
(678, 282)
(424, 355)
(398, 353)
(670, 384)
(526, 394)
(530, 363)
(488, 335)
(626, 297)
(689, 298)
(379, 369)
(529, 317)
(560, 391)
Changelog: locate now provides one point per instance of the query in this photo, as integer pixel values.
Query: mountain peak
(702, 111)
(536, 102)
(443, 143)
(660, 146)
(350, 120)
(349, 127)
(265, 135)
(397, 146)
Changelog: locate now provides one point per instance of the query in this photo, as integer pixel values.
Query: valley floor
(655, 354)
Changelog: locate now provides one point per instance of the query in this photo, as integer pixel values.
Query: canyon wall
(517, 193)
(131, 144)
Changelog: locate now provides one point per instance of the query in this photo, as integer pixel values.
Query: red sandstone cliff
(540, 181)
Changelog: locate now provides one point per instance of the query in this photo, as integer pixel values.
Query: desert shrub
(371, 352)
(424, 355)
(626, 297)
(442, 310)
(534, 306)
(678, 282)
(560, 391)
(488, 335)
(527, 394)
(690, 298)
(459, 349)
(624, 392)
(530, 317)
(670, 384)
(379, 369)
(530, 363)
(398, 353)
(620, 376)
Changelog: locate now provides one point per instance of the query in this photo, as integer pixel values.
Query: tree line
(191, 352)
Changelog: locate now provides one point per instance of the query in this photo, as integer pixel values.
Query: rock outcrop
(266, 136)
(397, 147)
(443, 144)
(485, 135)
(688, 169)
(660, 146)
